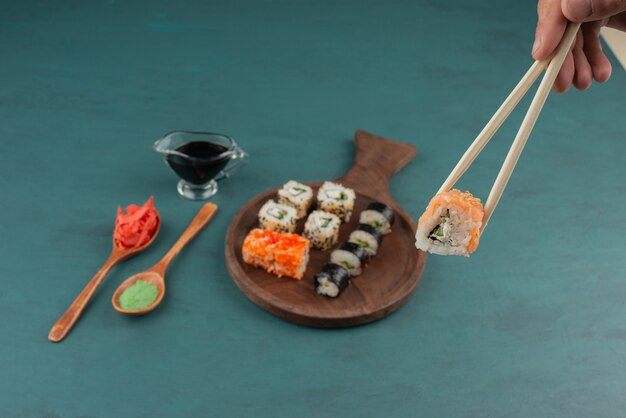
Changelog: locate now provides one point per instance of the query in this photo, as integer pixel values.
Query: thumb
(588, 10)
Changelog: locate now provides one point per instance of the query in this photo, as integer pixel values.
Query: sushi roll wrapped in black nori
(368, 237)
(379, 216)
(332, 280)
(351, 256)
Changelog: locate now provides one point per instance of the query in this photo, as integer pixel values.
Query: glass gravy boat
(200, 159)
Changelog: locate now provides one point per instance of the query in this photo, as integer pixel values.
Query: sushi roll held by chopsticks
(451, 224)
(454, 220)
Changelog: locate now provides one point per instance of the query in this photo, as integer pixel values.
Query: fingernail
(579, 9)
(537, 44)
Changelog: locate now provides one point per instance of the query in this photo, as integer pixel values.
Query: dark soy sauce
(204, 163)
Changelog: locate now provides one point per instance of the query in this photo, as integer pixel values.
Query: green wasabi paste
(138, 296)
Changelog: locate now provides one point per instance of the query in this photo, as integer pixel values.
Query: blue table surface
(532, 325)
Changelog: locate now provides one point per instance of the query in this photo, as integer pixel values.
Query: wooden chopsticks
(553, 67)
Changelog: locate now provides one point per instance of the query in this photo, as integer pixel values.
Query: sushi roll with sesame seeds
(298, 195)
(351, 256)
(379, 216)
(322, 229)
(368, 237)
(332, 280)
(277, 217)
(337, 199)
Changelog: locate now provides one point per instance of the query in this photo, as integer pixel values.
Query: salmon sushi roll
(451, 224)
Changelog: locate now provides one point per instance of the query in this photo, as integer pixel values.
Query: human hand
(586, 61)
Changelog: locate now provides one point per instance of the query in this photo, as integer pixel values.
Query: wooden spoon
(71, 315)
(155, 275)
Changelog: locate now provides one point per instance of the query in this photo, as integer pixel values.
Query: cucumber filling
(347, 265)
(277, 213)
(337, 194)
(295, 191)
(363, 243)
(441, 232)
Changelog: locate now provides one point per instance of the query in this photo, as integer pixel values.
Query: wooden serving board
(387, 281)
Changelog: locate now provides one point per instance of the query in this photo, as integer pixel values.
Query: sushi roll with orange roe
(451, 224)
(279, 253)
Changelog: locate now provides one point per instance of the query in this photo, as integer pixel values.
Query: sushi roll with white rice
(322, 229)
(298, 195)
(277, 217)
(379, 216)
(368, 237)
(351, 256)
(451, 224)
(337, 199)
(332, 280)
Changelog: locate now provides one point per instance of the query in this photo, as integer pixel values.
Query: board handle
(376, 161)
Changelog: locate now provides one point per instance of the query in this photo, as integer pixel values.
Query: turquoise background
(533, 324)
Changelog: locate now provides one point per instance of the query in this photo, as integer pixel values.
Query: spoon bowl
(126, 253)
(155, 275)
(152, 277)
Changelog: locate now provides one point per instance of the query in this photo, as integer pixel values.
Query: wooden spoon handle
(71, 315)
(376, 161)
(202, 218)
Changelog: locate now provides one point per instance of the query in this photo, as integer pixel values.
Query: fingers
(618, 22)
(583, 75)
(588, 10)
(550, 28)
(586, 61)
(600, 65)
(566, 75)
